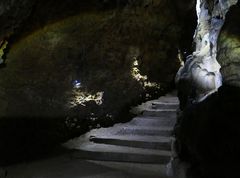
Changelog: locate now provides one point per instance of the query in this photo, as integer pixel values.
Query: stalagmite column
(202, 70)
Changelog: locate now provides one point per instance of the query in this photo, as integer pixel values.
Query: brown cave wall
(96, 43)
(229, 48)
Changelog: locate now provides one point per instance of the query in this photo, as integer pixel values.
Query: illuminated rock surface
(202, 70)
(206, 130)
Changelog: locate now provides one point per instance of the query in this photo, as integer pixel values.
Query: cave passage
(119, 88)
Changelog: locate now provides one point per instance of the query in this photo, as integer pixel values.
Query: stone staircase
(145, 140)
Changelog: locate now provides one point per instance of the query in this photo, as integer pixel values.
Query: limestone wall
(202, 69)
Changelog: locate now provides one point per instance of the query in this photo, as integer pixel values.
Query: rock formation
(229, 48)
(75, 65)
(202, 70)
(207, 126)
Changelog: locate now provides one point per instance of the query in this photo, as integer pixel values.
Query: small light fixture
(77, 84)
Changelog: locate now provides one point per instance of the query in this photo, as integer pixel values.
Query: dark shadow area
(208, 134)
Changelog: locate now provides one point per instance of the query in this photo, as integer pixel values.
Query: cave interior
(69, 67)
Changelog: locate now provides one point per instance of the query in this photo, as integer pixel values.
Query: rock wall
(202, 70)
(75, 65)
(229, 48)
(12, 15)
(207, 130)
(207, 136)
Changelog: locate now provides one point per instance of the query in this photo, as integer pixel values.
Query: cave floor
(139, 148)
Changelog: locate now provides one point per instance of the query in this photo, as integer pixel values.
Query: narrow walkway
(145, 142)
(139, 148)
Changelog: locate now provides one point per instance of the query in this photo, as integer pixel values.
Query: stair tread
(138, 121)
(165, 103)
(158, 113)
(147, 131)
(147, 143)
(160, 110)
(121, 149)
(133, 127)
(121, 157)
(157, 139)
(162, 117)
(149, 170)
(145, 139)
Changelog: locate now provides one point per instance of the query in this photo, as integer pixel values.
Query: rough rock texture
(201, 70)
(12, 15)
(229, 48)
(73, 66)
(207, 131)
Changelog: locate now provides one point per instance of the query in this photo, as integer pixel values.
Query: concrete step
(148, 131)
(139, 169)
(144, 140)
(167, 113)
(149, 142)
(162, 118)
(168, 99)
(152, 121)
(164, 105)
(105, 152)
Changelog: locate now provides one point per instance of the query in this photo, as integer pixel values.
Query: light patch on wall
(143, 79)
(230, 43)
(228, 56)
(136, 72)
(3, 45)
(81, 98)
(54, 38)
